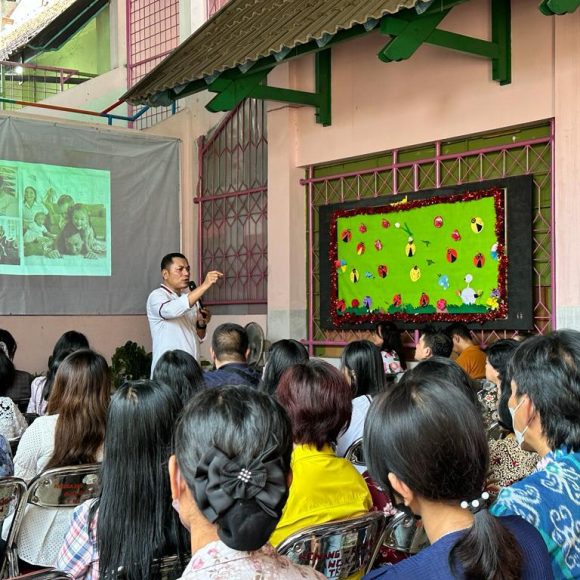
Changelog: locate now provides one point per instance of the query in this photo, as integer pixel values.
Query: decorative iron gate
(232, 197)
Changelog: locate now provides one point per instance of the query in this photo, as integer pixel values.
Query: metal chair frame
(355, 454)
(9, 563)
(340, 528)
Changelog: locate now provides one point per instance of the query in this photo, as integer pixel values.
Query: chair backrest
(405, 533)
(355, 454)
(64, 486)
(12, 502)
(337, 549)
(48, 574)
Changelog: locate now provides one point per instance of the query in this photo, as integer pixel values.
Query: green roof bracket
(551, 7)
(232, 87)
(409, 30)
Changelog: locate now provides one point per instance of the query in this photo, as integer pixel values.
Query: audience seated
(12, 422)
(229, 480)
(19, 389)
(180, 371)
(425, 442)
(41, 386)
(324, 487)
(71, 433)
(545, 409)
(362, 365)
(6, 463)
(229, 351)
(508, 462)
(388, 338)
(433, 342)
(282, 355)
(469, 356)
(132, 522)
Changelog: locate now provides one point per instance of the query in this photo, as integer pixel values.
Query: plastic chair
(337, 549)
(12, 501)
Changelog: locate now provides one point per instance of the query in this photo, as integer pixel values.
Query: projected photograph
(459, 253)
(8, 195)
(64, 219)
(9, 254)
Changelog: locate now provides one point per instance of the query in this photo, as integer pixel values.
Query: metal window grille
(232, 197)
(152, 33)
(512, 152)
(212, 6)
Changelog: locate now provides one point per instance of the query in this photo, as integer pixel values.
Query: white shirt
(37, 404)
(360, 407)
(172, 323)
(12, 422)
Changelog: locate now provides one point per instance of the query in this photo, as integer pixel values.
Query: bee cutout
(354, 276)
(415, 273)
(410, 248)
(476, 225)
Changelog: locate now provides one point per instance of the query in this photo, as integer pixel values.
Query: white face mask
(519, 434)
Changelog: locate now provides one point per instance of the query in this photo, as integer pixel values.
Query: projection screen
(85, 216)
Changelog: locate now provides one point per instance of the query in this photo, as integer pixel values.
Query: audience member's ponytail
(7, 372)
(429, 433)
(487, 551)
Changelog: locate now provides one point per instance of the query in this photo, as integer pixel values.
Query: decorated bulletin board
(458, 254)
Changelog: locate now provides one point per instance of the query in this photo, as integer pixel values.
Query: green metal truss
(409, 31)
(551, 7)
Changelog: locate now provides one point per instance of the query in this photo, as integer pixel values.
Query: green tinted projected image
(54, 220)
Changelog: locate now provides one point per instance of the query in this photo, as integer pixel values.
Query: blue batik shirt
(549, 499)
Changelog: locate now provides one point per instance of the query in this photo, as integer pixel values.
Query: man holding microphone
(176, 317)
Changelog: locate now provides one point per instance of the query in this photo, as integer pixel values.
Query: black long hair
(68, 343)
(283, 354)
(363, 362)
(391, 340)
(7, 373)
(498, 356)
(136, 522)
(180, 371)
(431, 436)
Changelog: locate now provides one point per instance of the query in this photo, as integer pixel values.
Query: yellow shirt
(324, 488)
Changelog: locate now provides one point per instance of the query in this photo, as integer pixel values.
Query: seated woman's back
(131, 523)
(324, 487)
(425, 442)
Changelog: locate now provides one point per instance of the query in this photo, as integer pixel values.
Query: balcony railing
(34, 83)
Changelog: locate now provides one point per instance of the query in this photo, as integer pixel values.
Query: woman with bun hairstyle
(229, 481)
(425, 442)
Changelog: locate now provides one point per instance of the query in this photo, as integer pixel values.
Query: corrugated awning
(246, 31)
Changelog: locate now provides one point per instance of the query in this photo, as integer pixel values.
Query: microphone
(192, 286)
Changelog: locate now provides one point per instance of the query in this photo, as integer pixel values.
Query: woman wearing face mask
(132, 522)
(508, 462)
(544, 404)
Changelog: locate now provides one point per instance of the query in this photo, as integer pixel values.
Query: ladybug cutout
(424, 300)
(382, 271)
(354, 276)
(479, 260)
(362, 229)
(451, 255)
(360, 248)
(346, 236)
(456, 235)
(476, 225)
(397, 300)
(340, 306)
(355, 303)
(438, 221)
(378, 245)
(386, 224)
